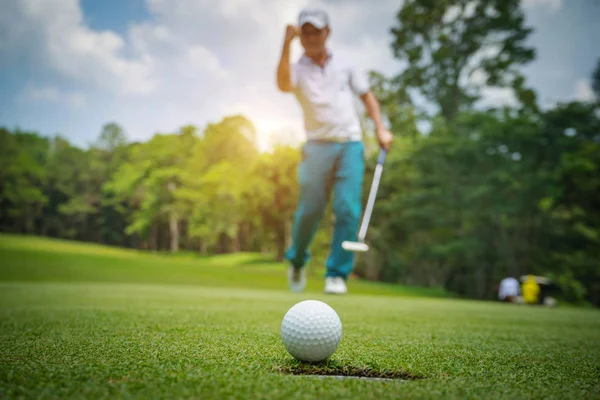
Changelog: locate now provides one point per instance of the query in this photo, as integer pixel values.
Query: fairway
(102, 338)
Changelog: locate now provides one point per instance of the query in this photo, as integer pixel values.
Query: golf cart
(548, 288)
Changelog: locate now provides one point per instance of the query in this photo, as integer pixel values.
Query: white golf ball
(311, 331)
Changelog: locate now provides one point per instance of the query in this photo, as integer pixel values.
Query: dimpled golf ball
(311, 331)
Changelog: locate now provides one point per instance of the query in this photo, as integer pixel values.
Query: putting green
(112, 340)
(81, 320)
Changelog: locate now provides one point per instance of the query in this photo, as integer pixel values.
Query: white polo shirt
(508, 287)
(326, 95)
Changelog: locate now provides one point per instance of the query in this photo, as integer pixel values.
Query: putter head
(355, 246)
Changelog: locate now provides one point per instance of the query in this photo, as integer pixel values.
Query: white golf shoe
(335, 285)
(296, 278)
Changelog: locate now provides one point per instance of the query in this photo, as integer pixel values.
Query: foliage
(22, 156)
(596, 81)
(454, 47)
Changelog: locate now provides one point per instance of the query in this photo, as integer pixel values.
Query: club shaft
(371, 201)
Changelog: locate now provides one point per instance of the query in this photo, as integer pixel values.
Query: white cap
(314, 16)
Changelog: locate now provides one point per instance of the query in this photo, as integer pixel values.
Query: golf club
(360, 245)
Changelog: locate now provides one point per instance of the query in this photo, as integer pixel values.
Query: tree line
(488, 192)
(209, 191)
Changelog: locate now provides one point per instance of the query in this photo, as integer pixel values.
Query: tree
(212, 182)
(395, 104)
(233, 139)
(271, 193)
(572, 208)
(217, 209)
(459, 211)
(88, 206)
(22, 176)
(70, 191)
(148, 182)
(107, 154)
(453, 47)
(596, 80)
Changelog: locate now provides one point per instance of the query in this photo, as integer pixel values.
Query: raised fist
(291, 32)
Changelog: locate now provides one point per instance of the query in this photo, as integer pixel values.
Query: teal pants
(327, 167)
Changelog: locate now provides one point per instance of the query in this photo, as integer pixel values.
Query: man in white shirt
(509, 289)
(325, 86)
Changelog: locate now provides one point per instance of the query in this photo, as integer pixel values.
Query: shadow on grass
(267, 262)
(337, 369)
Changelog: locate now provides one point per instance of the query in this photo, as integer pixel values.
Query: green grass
(86, 333)
(50, 260)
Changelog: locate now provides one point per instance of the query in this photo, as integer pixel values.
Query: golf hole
(334, 370)
(367, 378)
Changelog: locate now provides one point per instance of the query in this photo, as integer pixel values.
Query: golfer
(333, 155)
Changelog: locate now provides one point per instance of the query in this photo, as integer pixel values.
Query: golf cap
(314, 16)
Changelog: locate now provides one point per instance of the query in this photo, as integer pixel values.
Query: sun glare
(271, 132)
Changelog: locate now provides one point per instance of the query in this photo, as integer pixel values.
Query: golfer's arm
(284, 77)
(372, 106)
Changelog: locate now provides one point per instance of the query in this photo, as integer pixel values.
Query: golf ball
(311, 331)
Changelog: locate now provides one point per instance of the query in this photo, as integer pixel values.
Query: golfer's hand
(291, 32)
(384, 137)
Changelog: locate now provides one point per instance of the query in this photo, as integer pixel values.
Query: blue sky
(115, 15)
(67, 67)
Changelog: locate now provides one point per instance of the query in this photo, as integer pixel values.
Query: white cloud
(498, 97)
(73, 50)
(455, 11)
(583, 91)
(451, 14)
(194, 61)
(51, 94)
(478, 77)
(550, 5)
(250, 49)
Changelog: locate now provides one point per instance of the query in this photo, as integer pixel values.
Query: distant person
(531, 290)
(325, 85)
(509, 290)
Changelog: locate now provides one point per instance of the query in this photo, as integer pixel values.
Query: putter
(360, 245)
